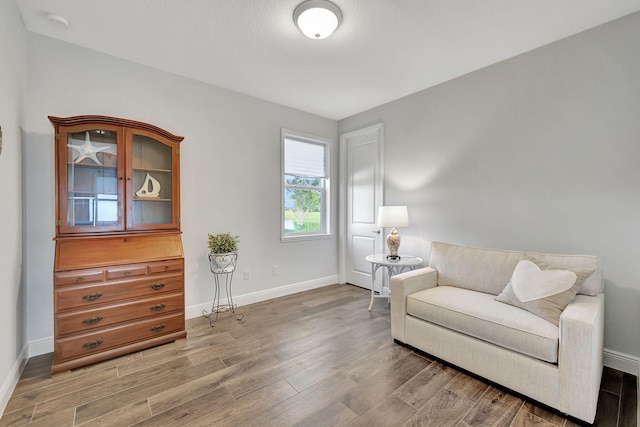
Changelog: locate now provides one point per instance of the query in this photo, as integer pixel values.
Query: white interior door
(364, 193)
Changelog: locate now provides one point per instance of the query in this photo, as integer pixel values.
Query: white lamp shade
(317, 19)
(393, 216)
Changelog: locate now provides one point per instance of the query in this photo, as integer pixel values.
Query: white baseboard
(625, 363)
(12, 378)
(246, 299)
(41, 346)
(622, 362)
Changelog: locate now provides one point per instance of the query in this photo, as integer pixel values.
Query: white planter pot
(223, 263)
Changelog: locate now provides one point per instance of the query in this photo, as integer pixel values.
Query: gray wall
(13, 63)
(230, 168)
(540, 152)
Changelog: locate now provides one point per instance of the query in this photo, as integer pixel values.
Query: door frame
(342, 212)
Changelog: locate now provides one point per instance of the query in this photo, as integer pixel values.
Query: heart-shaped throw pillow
(530, 283)
(549, 307)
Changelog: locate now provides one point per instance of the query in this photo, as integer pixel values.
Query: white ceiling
(383, 50)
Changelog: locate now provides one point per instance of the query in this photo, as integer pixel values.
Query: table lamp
(393, 216)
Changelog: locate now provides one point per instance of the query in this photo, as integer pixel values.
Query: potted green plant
(224, 252)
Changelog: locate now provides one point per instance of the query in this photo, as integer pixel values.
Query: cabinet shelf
(93, 196)
(91, 165)
(151, 170)
(150, 199)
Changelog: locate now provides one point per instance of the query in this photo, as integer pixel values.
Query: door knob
(376, 231)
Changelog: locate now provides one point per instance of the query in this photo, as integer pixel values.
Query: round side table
(393, 266)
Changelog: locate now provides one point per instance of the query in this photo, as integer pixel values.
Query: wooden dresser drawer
(100, 317)
(166, 266)
(115, 293)
(79, 277)
(124, 271)
(108, 338)
(73, 297)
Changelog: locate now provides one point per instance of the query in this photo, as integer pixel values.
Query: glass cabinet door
(91, 191)
(151, 182)
(114, 176)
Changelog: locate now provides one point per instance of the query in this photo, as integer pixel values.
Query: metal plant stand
(222, 266)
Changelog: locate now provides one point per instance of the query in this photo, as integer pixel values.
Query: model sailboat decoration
(150, 187)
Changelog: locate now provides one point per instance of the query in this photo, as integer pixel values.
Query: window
(305, 186)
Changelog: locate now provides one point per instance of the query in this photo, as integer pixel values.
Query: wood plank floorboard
(315, 358)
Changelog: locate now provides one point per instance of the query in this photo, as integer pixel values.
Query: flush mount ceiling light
(317, 19)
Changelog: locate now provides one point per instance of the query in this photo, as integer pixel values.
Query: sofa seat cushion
(479, 315)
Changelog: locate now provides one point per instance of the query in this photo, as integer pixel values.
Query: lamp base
(393, 242)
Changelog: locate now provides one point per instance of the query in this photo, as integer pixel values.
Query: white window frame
(325, 190)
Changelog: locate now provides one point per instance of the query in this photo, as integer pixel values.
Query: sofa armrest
(581, 353)
(402, 285)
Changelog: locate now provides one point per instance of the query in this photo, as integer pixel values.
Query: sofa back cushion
(593, 285)
(489, 270)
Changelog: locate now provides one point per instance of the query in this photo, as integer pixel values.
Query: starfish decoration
(87, 150)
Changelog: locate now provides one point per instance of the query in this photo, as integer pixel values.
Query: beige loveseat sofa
(449, 310)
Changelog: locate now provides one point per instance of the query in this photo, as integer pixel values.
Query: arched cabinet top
(80, 120)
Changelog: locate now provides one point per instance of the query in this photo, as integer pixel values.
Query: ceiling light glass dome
(317, 19)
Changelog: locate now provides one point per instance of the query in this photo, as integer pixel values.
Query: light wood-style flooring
(317, 358)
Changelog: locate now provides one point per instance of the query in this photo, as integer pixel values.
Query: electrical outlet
(247, 275)
(275, 270)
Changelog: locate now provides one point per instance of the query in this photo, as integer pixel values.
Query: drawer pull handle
(79, 279)
(157, 307)
(157, 286)
(92, 320)
(92, 344)
(92, 297)
(157, 328)
(126, 273)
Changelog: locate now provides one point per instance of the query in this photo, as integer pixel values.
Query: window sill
(304, 237)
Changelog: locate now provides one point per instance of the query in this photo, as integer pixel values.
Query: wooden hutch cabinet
(119, 262)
